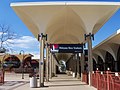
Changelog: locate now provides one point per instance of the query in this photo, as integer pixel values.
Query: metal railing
(85, 77)
(106, 80)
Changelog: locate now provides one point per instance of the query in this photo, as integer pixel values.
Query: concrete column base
(78, 76)
(74, 76)
(47, 80)
(50, 77)
(42, 85)
(53, 74)
(68, 73)
(81, 76)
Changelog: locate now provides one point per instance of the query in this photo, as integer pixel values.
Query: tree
(5, 36)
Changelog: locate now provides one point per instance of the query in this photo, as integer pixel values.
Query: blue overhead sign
(66, 48)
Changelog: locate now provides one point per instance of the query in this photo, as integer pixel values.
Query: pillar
(50, 66)
(74, 65)
(82, 61)
(116, 65)
(104, 65)
(53, 66)
(41, 63)
(47, 62)
(90, 61)
(78, 67)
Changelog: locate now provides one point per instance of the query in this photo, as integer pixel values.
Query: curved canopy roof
(65, 22)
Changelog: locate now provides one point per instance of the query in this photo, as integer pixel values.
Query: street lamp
(22, 63)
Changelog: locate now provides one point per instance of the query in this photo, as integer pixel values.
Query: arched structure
(11, 62)
(109, 61)
(111, 48)
(24, 56)
(94, 65)
(100, 64)
(118, 59)
(99, 53)
(16, 59)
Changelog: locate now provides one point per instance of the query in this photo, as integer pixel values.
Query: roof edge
(111, 36)
(64, 3)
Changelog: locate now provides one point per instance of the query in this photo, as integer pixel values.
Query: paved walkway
(61, 82)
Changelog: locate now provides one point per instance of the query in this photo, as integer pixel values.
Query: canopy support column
(82, 64)
(50, 65)
(116, 65)
(90, 61)
(78, 67)
(41, 62)
(47, 62)
(55, 63)
(53, 66)
(104, 65)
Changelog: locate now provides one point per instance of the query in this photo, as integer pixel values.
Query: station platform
(60, 82)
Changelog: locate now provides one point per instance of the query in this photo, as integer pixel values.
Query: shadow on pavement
(66, 85)
(67, 80)
(10, 85)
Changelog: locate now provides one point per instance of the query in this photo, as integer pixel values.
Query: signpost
(66, 48)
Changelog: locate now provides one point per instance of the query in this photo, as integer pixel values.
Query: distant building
(11, 61)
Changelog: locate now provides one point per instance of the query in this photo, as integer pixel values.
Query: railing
(101, 81)
(85, 77)
(94, 79)
(106, 80)
(113, 81)
(2, 76)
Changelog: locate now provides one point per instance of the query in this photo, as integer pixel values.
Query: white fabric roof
(65, 22)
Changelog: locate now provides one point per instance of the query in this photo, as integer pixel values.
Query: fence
(85, 77)
(106, 80)
(2, 76)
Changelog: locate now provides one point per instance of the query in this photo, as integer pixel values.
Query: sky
(27, 42)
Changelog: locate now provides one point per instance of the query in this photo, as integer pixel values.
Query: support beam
(50, 65)
(104, 65)
(74, 66)
(116, 66)
(82, 61)
(90, 61)
(78, 67)
(41, 62)
(47, 62)
(53, 69)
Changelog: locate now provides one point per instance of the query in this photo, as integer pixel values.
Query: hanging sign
(66, 48)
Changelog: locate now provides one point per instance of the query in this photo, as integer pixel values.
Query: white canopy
(65, 22)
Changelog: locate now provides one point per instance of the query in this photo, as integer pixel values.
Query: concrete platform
(61, 82)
